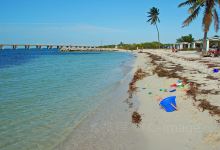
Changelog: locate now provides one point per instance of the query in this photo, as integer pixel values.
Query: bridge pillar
(14, 46)
(49, 46)
(27, 46)
(38, 46)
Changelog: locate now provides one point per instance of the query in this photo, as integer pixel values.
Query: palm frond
(189, 2)
(216, 20)
(191, 17)
(149, 20)
(193, 7)
(158, 19)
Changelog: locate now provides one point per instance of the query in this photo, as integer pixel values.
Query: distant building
(212, 42)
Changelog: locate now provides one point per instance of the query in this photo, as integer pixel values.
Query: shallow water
(46, 94)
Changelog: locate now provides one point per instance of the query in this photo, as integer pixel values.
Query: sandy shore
(195, 126)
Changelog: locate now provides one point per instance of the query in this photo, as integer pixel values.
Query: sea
(48, 96)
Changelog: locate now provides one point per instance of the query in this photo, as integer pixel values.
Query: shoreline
(109, 126)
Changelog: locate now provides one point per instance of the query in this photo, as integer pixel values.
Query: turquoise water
(44, 94)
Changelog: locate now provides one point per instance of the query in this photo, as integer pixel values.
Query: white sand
(185, 129)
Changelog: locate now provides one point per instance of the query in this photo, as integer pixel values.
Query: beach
(110, 75)
(100, 114)
(195, 125)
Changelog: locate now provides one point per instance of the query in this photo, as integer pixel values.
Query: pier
(46, 46)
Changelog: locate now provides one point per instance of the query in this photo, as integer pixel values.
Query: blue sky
(92, 22)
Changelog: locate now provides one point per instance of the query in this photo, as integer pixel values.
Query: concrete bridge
(40, 46)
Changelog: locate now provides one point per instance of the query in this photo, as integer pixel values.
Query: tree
(187, 38)
(210, 13)
(154, 19)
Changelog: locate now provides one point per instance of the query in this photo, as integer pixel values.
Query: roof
(214, 38)
(183, 43)
(198, 41)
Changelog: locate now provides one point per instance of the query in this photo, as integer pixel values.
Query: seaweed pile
(136, 118)
(139, 75)
(168, 72)
(213, 110)
(203, 103)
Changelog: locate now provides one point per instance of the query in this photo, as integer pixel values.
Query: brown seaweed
(136, 118)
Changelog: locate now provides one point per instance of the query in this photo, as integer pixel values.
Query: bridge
(47, 46)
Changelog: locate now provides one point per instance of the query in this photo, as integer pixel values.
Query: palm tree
(154, 19)
(210, 14)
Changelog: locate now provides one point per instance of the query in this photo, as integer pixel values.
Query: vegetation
(187, 38)
(154, 19)
(146, 45)
(210, 14)
(107, 46)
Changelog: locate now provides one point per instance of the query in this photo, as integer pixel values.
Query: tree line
(135, 46)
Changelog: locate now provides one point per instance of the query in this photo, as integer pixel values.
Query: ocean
(46, 94)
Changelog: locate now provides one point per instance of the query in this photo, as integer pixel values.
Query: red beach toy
(173, 85)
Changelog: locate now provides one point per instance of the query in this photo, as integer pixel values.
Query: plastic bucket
(166, 103)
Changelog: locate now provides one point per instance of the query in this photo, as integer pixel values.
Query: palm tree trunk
(158, 36)
(204, 41)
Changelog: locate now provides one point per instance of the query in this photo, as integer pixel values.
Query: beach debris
(136, 118)
(215, 70)
(206, 105)
(139, 75)
(179, 81)
(163, 90)
(129, 102)
(169, 104)
(174, 90)
(193, 90)
(180, 86)
(173, 85)
(211, 77)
